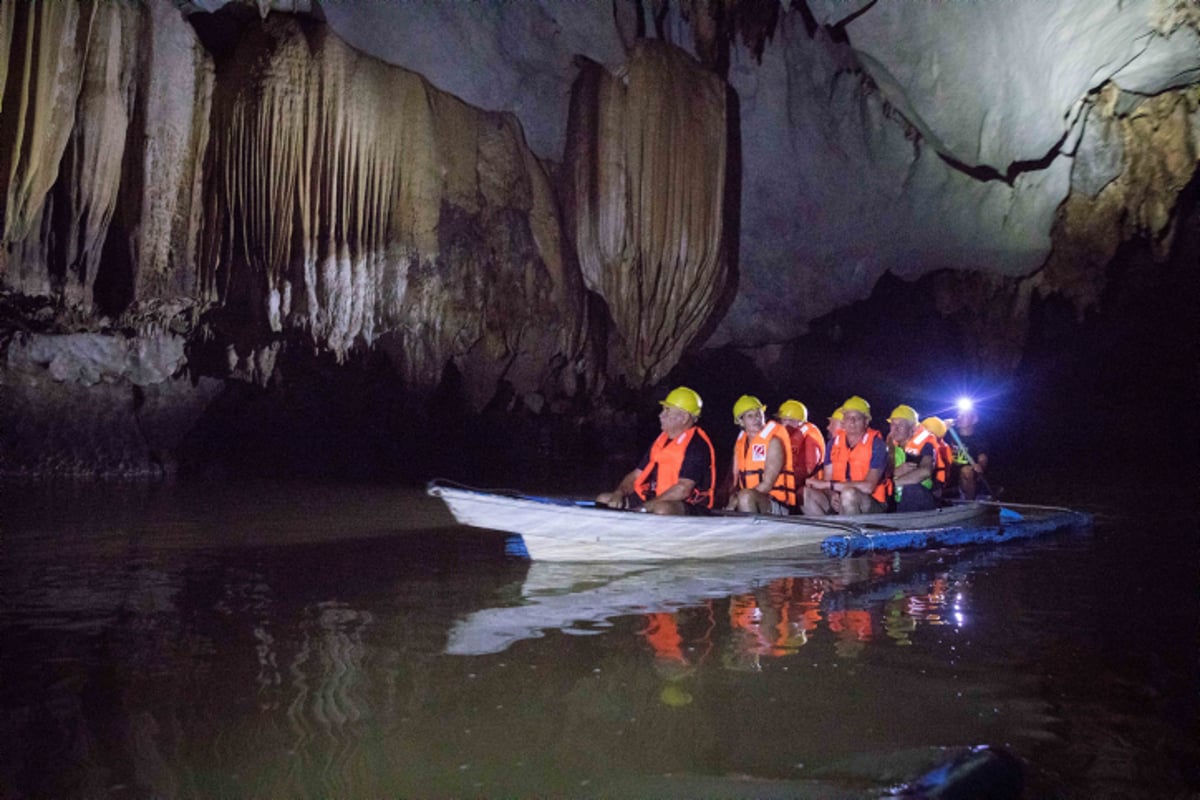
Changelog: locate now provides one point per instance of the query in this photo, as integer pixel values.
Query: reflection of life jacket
(747, 617)
(856, 623)
(662, 634)
(666, 460)
(853, 464)
(750, 455)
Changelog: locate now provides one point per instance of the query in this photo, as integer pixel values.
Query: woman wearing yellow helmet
(764, 478)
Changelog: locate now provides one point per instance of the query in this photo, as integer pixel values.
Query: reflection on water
(269, 641)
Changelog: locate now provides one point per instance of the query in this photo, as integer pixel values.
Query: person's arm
(825, 481)
(617, 498)
(814, 454)
(771, 467)
(680, 492)
(915, 472)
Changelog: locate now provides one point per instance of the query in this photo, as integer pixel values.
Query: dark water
(289, 640)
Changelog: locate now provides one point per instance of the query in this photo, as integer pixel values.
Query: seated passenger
(808, 445)
(970, 454)
(854, 467)
(763, 478)
(915, 457)
(945, 455)
(678, 472)
(833, 425)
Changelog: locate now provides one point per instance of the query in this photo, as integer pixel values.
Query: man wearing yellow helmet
(854, 467)
(915, 457)
(764, 481)
(678, 472)
(808, 445)
(945, 455)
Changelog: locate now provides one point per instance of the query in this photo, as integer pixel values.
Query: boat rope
(1024, 506)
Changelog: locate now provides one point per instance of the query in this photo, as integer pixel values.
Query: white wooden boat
(560, 529)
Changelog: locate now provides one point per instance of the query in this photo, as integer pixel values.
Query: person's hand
(616, 501)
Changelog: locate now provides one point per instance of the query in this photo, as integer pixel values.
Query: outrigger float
(565, 529)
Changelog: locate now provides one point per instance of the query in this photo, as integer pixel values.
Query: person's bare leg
(817, 502)
(753, 502)
(666, 507)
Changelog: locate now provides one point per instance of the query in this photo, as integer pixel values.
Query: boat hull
(562, 530)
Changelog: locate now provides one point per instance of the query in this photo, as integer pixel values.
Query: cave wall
(541, 201)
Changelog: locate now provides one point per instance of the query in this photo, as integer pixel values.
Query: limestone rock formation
(646, 170)
(532, 198)
(96, 405)
(350, 200)
(1129, 182)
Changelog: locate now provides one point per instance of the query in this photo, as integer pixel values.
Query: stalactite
(157, 222)
(351, 200)
(84, 196)
(44, 71)
(646, 159)
(67, 103)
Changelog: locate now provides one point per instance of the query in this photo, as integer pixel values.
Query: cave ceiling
(874, 136)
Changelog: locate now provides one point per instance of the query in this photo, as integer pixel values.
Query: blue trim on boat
(1013, 525)
(515, 546)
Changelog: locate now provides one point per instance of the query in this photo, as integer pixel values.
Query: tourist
(678, 472)
(832, 426)
(764, 481)
(854, 467)
(915, 456)
(808, 445)
(970, 454)
(945, 455)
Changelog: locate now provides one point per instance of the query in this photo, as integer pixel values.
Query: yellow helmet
(837, 414)
(856, 403)
(935, 425)
(793, 409)
(746, 403)
(683, 398)
(903, 412)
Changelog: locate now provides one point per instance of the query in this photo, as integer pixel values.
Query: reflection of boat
(558, 529)
(581, 598)
(572, 597)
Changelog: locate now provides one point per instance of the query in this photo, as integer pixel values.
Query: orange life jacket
(913, 448)
(853, 463)
(750, 455)
(666, 459)
(800, 436)
(945, 457)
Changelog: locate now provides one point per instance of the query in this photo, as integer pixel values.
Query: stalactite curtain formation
(646, 160)
(41, 84)
(350, 199)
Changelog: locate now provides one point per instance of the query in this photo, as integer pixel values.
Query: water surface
(300, 640)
